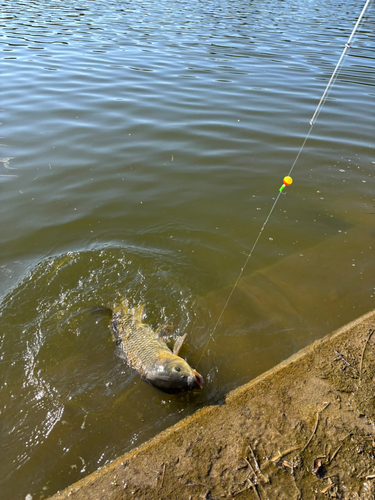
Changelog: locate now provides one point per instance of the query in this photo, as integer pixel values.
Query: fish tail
(101, 311)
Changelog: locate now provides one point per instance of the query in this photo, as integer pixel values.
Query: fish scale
(139, 344)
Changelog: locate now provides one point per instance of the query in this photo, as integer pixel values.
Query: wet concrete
(302, 430)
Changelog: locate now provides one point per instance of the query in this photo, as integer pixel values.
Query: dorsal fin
(138, 313)
(124, 307)
(178, 344)
(164, 330)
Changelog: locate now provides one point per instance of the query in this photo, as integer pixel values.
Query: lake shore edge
(303, 429)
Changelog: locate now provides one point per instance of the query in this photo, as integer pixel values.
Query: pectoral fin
(119, 351)
(178, 344)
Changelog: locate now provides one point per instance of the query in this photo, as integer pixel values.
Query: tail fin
(101, 311)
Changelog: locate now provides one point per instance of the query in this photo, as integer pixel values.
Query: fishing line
(288, 180)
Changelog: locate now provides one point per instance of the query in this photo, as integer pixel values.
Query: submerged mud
(303, 430)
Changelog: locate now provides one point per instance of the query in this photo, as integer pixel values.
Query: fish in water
(148, 354)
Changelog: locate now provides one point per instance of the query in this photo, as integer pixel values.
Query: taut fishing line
(288, 180)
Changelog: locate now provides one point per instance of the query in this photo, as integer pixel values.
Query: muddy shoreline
(302, 430)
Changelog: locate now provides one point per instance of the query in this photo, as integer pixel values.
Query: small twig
(338, 448)
(341, 357)
(251, 467)
(241, 491)
(254, 486)
(244, 466)
(281, 455)
(371, 331)
(327, 451)
(327, 488)
(250, 484)
(336, 451)
(197, 484)
(316, 426)
(312, 435)
(260, 475)
(254, 458)
(361, 474)
(162, 477)
(289, 465)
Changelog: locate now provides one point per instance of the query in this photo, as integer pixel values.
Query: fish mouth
(198, 379)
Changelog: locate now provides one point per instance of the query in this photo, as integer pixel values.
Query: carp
(147, 353)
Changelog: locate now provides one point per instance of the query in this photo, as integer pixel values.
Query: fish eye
(177, 369)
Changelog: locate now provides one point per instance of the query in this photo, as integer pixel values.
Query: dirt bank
(303, 430)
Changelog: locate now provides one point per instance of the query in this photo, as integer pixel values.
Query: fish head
(173, 374)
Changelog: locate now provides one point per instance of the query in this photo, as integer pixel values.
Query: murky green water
(142, 146)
